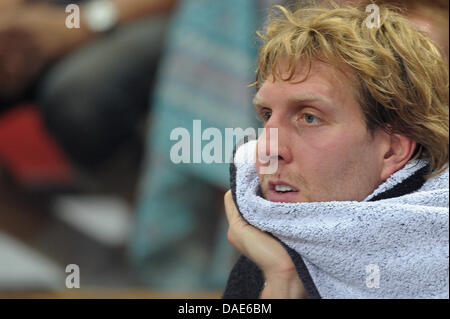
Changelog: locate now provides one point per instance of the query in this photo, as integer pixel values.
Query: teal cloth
(179, 241)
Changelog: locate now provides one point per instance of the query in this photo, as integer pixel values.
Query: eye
(267, 115)
(310, 119)
(264, 115)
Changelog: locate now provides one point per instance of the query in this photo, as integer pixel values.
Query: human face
(325, 151)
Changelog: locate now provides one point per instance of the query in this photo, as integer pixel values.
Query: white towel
(388, 248)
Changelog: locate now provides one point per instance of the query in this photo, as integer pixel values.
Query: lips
(280, 191)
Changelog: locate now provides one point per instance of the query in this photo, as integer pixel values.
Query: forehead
(318, 79)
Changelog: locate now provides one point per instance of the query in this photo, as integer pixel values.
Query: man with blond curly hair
(358, 204)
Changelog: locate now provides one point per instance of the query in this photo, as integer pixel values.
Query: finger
(236, 235)
(240, 233)
(230, 208)
(234, 217)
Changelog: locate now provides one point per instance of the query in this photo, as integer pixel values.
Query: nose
(275, 141)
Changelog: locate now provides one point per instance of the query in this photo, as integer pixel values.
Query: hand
(31, 36)
(271, 257)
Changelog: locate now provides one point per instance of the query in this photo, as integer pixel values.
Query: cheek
(327, 158)
(319, 152)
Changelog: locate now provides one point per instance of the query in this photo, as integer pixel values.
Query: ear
(399, 151)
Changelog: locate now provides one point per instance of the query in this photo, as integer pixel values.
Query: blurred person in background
(179, 240)
(90, 83)
(91, 86)
(429, 16)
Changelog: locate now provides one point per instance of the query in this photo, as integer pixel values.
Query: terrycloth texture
(406, 236)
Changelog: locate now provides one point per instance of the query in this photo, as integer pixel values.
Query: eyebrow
(297, 99)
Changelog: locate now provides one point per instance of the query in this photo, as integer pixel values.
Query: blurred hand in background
(31, 36)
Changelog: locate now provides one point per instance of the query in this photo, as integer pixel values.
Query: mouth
(280, 191)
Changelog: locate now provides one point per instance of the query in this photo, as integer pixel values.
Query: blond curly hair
(402, 77)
